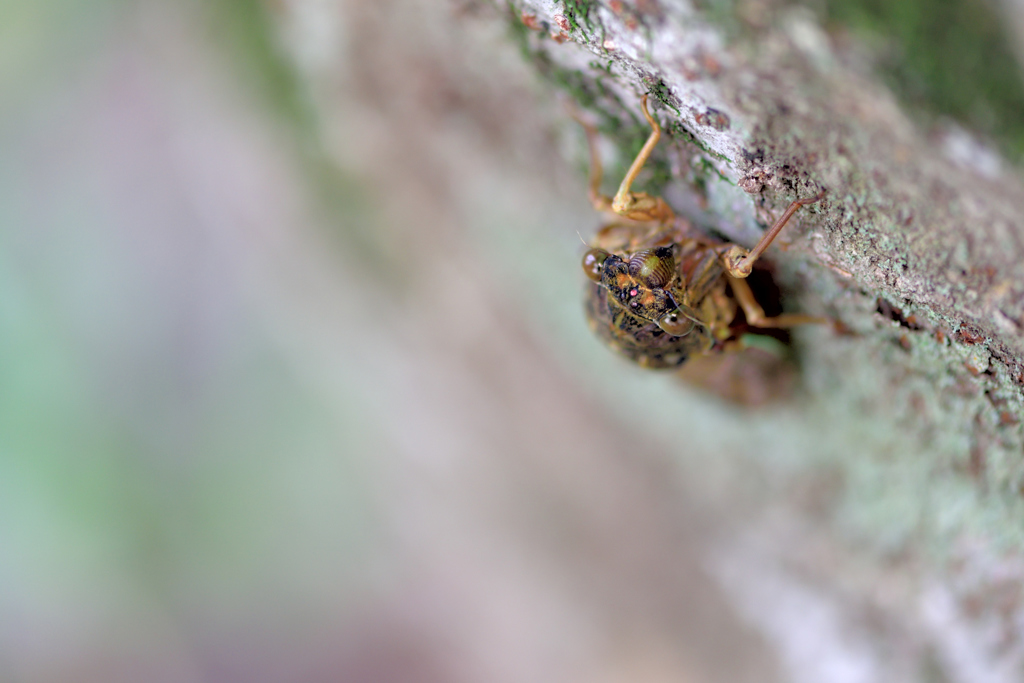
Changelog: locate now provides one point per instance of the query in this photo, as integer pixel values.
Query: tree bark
(878, 518)
(918, 244)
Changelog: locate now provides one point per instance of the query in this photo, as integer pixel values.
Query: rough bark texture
(918, 243)
(331, 411)
(873, 529)
(918, 248)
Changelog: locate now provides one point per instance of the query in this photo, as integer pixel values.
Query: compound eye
(593, 263)
(676, 324)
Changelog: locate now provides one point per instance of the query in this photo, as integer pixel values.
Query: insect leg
(600, 201)
(641, 206)
(622, 196)
(755, 314)
(739, 262)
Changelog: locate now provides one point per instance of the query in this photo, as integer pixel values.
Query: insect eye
(593, 263)
(675, 324)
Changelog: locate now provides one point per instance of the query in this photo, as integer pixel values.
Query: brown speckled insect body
(662, 293)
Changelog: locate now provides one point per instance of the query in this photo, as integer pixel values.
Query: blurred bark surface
(334, 412)
(873, 529)
(924, 229)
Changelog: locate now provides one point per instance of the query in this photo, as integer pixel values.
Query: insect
(661, 292)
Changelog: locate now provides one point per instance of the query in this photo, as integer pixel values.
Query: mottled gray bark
(918, 246)
(918, 249)
(870, 530)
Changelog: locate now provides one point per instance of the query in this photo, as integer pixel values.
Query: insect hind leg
(755, 314)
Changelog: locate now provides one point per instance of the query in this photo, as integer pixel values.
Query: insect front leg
(641, 206)
(739, 262)
(637, 206)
